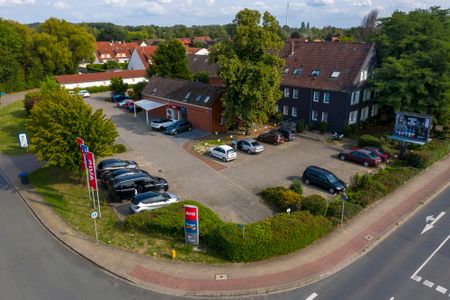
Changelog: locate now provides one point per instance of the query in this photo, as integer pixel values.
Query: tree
(414, 50)
(250, 67)
(170, 61)
(368, 26)
(57, 119)
(118, 86)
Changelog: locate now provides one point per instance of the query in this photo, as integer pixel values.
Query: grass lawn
(12, 120)
(67, 194)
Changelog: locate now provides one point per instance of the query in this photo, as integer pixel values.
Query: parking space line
(413, 276)
(441, 289)
(312, 296)
(416, 278)
(428, 283)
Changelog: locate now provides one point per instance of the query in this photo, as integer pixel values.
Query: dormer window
(198, 98)
(206, 99)
(315, 72)
(335, 74)
(154, 91)
(187, 96)
(297, 72)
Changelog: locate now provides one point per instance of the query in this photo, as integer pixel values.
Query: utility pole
(287, 11)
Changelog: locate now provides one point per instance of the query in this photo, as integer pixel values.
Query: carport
(147, 105)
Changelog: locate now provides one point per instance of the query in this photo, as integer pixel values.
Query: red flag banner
(91, 170)
(80, 141)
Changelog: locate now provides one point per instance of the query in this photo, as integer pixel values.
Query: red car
(128, 104)
(362, 156)
(377, 151)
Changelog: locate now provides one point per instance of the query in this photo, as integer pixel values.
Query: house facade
(99, 79)
(141, 58)
(119, 52)
(327, 81)
(197, 102)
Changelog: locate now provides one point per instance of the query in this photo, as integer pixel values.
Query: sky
(319, 13)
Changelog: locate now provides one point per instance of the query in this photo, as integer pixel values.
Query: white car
(71, 93)
(151, 201)
(161, 124)
(223, 152)
(250, 146)
(84, 94)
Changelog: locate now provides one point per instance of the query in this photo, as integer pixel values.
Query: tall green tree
(414, 50)
(11, 69)
(170, 60)
(118, 86)
(55, 122)
(250, 68)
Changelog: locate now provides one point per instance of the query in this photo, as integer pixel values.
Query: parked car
(250, 146)
(161, 124)
(111, 164)
(178, 126)
(131, 107)
(122, 103)
(84, 93)
(323, 178)
(379, 152)
(273, 137)
(118, 97)
(362, 156)
(113, 174)
(128, 103)
(288, 134)
(125, 187)
(151, 200)
(223, 152)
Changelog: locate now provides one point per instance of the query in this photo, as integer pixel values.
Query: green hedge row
(281, 198)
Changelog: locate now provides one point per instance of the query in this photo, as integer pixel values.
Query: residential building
(99, 79)
(201, 64)
(113, 51)
(141, 58)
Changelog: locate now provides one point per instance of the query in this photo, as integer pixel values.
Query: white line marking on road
(441, 289)
(431, 225)
(392, 298)
(416, 278)
(312, 296)
(428, 283)
(428, 259)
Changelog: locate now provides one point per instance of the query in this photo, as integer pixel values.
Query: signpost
(94, 217)
(191, 234)
(344, 198)
(23, 140)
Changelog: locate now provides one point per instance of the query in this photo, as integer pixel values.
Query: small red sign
(91, 170)
(172, 106)
(190, 213)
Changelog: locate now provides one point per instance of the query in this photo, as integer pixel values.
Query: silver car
(250, 146)
(151, 201)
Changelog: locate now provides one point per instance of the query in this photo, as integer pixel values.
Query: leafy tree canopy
(118, 86)
(170, 61)
(250, 67)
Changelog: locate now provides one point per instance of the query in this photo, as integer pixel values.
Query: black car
(324, 179)
(179, 126)
(273, 137)
(111, 164)
(113, 174)
(288, 134)
(125, 187)
(118, 97)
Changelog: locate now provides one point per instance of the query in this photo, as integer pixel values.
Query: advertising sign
(91, 170)
(23, 140)
(191, 225)
(80, 141)
(411, 128)
(84, 149)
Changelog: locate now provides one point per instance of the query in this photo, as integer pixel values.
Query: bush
(281, 198)
(369, 140)
(119, 148)
(315, 204)
(347, 131)
(30, 99)
(297, 187)
(278, 117)
(169, 220)
(334, 211)
(97, 89)
(281, 234)
(311, 126)
(323, 126)
(417, 160)
(300, 126)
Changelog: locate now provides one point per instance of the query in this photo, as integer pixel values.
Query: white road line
(428, 259)
(441, 289)
(428, 283)
(416, 278)
(312, 296)
(392, 298)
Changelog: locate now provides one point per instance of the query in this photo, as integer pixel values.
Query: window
(285, 110)
(316, 96)
(286, 92)
(363, 75)
(324, 116)
(294, 111)
(315, 72)
(285, 71)
(295, 93)
(315, 115)
(326, 97)
(352, 117)
(374, 110)
(364, 113)
(355, 98)
(221, 120)
(187, 95)
(206, 99)
(198, 98)
(335, 74)
(297, 72)
(367, 94)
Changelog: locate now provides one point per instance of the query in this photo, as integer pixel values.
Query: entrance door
(182, 115)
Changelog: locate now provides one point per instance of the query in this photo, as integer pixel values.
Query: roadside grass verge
(12, 120)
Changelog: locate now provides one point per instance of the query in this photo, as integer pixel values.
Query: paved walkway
(317, 261)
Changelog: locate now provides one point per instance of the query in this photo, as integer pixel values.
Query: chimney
(292, 48)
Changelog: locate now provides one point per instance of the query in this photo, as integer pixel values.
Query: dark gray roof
(201, 63)
(183, 91)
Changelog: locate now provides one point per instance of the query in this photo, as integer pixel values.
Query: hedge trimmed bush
(282, 234)
(297, 186)
(323, 126)
(315, 204)
(281, 198)
(169, 220)
(369, 140)
(300, 126)
(119, 148)
(334, 211)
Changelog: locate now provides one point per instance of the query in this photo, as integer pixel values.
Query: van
(324, 179)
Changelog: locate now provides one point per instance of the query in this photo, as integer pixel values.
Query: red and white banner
(92, 178)
(80, 141)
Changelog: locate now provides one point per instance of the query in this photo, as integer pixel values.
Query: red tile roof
(103, 76)
(328, 57)
(116, 51)
(191, 50)
(145, 54)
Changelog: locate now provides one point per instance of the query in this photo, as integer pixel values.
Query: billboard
(191, 225)
(411, 128)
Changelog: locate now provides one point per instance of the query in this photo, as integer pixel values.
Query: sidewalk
(317, 261)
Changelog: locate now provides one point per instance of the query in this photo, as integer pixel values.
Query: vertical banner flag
(191, 225)
(91, 170)
(80, 141)
(84, 149)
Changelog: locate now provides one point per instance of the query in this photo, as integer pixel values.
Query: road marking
(428, 283)
(392, 298)
(428, 259)
(441, 289)
(312, 296)
(434, 220)
(416, 278)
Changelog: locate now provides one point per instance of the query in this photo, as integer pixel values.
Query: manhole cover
(221, 277)
(368, 237)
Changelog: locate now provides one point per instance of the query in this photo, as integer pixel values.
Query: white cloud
(61, 5)
(210, 2)
(261, 4)
(115, 2)
(165, 1)
(16, 2)
(359, 3)
(320, 2)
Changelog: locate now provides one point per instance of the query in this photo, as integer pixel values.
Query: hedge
(334, 211)
(315, 204)
(281, 198)
(369, 140)
(281, 234)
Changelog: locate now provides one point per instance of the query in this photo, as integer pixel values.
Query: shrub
(417, 160)
(347, 131)
(30, 100)
(281, 198)
(311, 126)
(300, 126)
(169, 220)
(297, 187)
(281, 234)
(119, 148)
(334, 211)
(278, 117)
(369, 140)
(323, 126)
(315, 204)
(98, 89)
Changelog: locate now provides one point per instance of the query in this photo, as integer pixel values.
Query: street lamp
(343, 198)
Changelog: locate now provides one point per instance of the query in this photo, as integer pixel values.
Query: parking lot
(231, 191)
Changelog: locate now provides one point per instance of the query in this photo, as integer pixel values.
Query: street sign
(94, 215)
(191, 225)
(23, 140)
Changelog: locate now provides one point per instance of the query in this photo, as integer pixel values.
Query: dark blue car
(179, 126)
